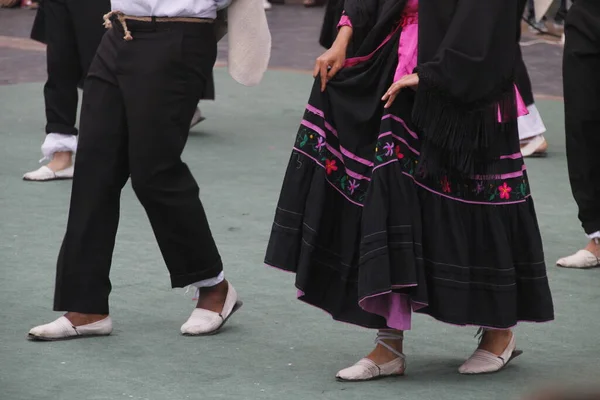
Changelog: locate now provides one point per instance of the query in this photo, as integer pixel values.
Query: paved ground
(275, 348)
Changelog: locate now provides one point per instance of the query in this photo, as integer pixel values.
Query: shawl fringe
(458, 138)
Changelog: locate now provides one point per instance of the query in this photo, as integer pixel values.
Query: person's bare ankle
(213, 298)
(381, 354)
(593, 248)
(61, 160)
(80, 319)
(495, 340)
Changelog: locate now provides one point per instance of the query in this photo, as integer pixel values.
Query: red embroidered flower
(445, 185)
(504, 191)
(330, 166)
(398, 153)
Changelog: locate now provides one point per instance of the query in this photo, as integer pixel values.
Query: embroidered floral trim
(484, 191)
(389, 149)
(313, 144)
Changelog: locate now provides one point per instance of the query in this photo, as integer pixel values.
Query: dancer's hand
(330, 62)
(407, 81)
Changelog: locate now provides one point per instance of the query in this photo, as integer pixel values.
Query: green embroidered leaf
(492, 197)
(304, 140)
(379, 158)
(523, 189)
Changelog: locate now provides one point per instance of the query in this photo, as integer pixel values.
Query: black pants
(139, 98)
(581, 77)
(73, 30)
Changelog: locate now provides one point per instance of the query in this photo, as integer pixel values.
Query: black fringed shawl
(466, 65)
(352, 102)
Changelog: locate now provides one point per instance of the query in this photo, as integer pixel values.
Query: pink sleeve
(344, 21)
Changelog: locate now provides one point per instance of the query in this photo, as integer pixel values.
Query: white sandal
(583, 259)
(63, 329)
(197, 118)
(45, 174)
(484, 362)
(204, 322)
(535, 147)
(367, 370)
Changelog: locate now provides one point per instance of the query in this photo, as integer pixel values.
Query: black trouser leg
(101, 170)
(137, 123)
(581, 66)
(87, 22)
(161, 89)
(73, 32)
(64, 69)
(561, 13)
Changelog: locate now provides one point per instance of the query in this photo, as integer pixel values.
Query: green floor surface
(276, 347)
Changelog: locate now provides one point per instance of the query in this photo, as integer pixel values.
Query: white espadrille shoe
(204, 322)
(197, 118)
(484, 362)
(45, 174)
(534, 147)
(368, 370)
(583, 259)
(63, 329)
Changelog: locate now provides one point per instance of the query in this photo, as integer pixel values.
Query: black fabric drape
(356, 91)
(333, 13)
(372, 22)
(38, 31)
(521, 75)
(466, 68)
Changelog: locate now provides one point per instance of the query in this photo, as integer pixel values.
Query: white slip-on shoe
(368, 370)
(484, 362)
(582, 259)
(45, 174)
(197, 118)
(536, 147)
(63, 329)
(204, 322)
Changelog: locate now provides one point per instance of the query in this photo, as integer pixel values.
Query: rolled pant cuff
(591, 229)
(594, 235)
(210, 282)
(62, 129)
(180, 281)
(56, 142)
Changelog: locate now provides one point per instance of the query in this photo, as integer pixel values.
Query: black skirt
(333, 13)
(371, 238)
